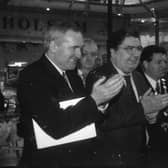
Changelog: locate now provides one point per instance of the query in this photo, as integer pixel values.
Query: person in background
(154, 62)
(87, 62)
(123, 131)
(48, 81)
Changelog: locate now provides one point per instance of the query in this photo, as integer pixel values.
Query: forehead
(131, 41)
(74, 38)
(159, 56)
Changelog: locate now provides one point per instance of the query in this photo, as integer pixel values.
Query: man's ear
(53, 46)
(112, 53)
(145, 64)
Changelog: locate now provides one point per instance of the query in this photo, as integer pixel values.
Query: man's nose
(136, 52)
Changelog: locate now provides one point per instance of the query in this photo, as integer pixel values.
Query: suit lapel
(76, 82)
(140, 83)
(58, 80)
(64, 90)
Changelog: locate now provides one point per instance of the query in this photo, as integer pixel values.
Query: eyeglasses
(132, 48)
(89, 54)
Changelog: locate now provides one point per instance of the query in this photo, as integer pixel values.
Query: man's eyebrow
(76, 46)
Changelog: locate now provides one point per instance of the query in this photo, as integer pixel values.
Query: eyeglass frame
(129, 49)
(91, 54)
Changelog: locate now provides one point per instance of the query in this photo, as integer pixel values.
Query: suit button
(94, 152)
(69, 150)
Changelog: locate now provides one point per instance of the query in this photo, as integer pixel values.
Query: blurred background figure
(89, 59)
(153, 65)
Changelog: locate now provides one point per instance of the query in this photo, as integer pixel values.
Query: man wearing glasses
(123, 131)
(87, 62)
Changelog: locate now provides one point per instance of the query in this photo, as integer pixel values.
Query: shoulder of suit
(140, 79)
(31, 70)
(138, 76)
(137, 73)
(104, 69)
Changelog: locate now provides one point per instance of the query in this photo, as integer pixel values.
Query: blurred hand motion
(152, 104)
(103, 90)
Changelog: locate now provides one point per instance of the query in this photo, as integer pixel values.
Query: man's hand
(104, 91)
(152, 104)
(151, 117)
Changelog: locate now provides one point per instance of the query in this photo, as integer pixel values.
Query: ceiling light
(47, 9)
(142, 20)
(17, 64)
(119, 14)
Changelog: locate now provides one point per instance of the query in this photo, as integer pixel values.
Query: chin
(131, 69)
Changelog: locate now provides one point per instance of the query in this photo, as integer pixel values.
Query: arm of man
(121, 110)
(42, 105)
(152, 104)
(40, 102)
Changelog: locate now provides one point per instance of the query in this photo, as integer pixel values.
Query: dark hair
(147, 53)
(119, 36)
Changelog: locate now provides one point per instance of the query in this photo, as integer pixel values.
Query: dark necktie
(67, 80)
(128, 86)
(83, 77)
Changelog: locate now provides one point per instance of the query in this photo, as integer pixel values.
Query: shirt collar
(151, 81)
(121, 72)
(80, 72)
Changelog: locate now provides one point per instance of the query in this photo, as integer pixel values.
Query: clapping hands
(104, 90)
(152, 104)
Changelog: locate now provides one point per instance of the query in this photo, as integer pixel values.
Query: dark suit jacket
(1, 102)
(40, 90)
(123, 129)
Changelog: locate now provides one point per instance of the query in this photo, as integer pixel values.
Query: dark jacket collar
(49, 67)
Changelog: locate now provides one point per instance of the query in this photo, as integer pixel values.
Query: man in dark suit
(122, 132)
(43, 85)
(154, 64)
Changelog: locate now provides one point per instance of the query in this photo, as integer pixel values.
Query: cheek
(83, 60)
(92, 60)
(61, 53)
(124, 61)
(65, 52)
(155, 69)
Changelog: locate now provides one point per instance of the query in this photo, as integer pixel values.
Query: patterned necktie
(67, 80)
(83, 77)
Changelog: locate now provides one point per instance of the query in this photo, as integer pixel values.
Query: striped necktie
(67, 80)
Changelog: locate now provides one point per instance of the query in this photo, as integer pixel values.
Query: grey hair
(57, 33)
